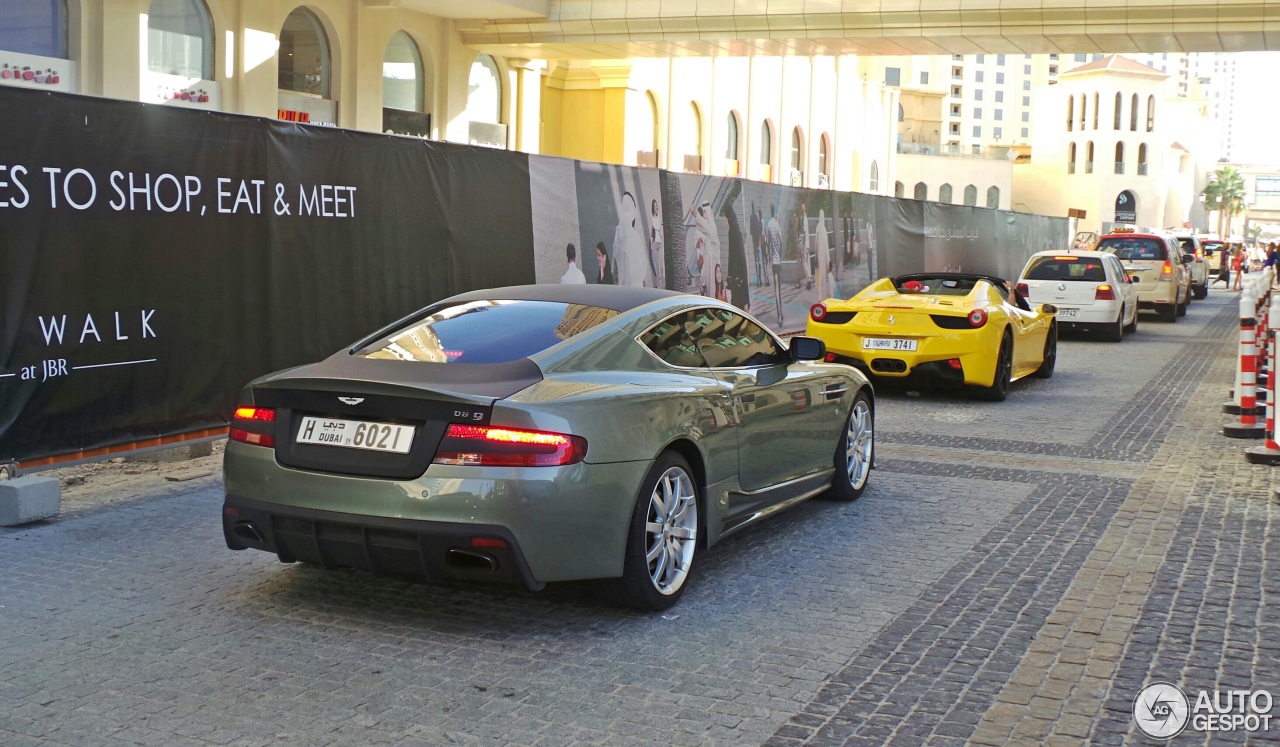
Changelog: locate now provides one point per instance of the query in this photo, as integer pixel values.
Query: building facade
(1124, 148)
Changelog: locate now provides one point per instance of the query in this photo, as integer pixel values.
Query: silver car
(544, 433)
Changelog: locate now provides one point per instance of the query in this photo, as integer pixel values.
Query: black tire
(1182, 308)
(1169, 313)
(1131, 328)
(1114, 332)
(1050, 359)
(1202, 291)
(638, 588)
(999, 388)
(853, 463)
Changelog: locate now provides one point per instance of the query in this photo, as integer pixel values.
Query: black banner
(153, 260)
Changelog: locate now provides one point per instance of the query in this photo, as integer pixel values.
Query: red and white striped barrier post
(1263, 289)
(1269, 452)
(1246, 392)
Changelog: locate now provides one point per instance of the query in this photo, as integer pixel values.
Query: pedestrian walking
(1224, 267)
(1237, 264)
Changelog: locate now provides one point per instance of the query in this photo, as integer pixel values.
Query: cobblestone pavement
(1014, 575)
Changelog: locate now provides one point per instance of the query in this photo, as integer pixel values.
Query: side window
(670, 341)
(1117, 271)
(729, 340)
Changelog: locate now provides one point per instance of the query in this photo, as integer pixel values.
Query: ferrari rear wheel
(663, 537)
(999, 388)
(1050, 358)
(855, 452)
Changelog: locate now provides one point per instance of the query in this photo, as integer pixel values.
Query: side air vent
(836, 317)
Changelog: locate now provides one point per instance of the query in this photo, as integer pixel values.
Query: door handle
(835, 391)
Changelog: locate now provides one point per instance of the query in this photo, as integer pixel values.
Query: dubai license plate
(888, 343)
(356, 434)
(1067, 313)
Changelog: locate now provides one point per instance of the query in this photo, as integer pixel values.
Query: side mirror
(1048, 308)
(807, 348)
(1188, 259)
(1130, 279)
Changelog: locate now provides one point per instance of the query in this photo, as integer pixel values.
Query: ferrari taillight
(817, 312)
(1104, 293)
(489, 446)
(253, 425)
(977, 318)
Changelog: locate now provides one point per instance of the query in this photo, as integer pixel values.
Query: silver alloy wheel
(859, 440)
(671, 530)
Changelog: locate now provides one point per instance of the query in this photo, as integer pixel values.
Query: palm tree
(1225, 193)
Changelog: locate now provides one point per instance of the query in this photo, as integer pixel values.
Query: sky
(1258, 110)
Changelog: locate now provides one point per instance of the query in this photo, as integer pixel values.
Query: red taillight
(489, 542)
(255, 413)
(249, 437)
(1104, 293)
(831, 357)
(1024, 290)
(1168, 268)
(817, 312)
(977, 318)
(254, 420)
(954, 363)
(488, 446)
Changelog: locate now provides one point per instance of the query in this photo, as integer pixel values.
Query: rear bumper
(435, 550)
(559, 523)
(931, 373)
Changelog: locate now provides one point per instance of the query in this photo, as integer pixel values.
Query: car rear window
(1135, 248)
(1067, 268)
(1212, 246)
(495, 331)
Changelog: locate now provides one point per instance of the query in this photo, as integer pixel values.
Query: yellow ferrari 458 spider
(950, 328)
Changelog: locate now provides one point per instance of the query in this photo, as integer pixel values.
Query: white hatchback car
(1090, 289)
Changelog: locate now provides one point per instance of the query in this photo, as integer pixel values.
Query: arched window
(971, 196)
(1142, 159)
(1084, 109)
(902, 114)
(1071, 158)
(484, 97)
(993, 193)
(402, 74)
(766, 144)
(1119, 158)
(797, 150)
(655, 125)
(824, 160)
(1088, 158)
(899, 189)
(921, 191)
(1151, 113)
(731, 151)
(1133, 114)
(944, 194)
(1095, 111)
(180, 39)
(1071, 113)
(695, 133)
(1119, 107)
(38, 28)
(304, 55)
(874, 186)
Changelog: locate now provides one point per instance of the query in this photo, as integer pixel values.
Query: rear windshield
(1067, 268)
(1188, 245)
(919, 284)
(1135, 248)
(488, 332)
(1211, 246)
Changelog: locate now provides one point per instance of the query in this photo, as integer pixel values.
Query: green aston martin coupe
(544, 433)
